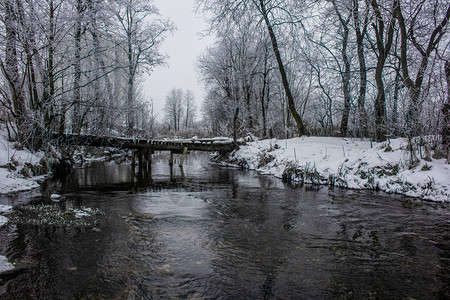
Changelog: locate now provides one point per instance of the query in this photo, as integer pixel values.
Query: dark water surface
(215, 233)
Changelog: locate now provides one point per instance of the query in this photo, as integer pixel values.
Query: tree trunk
(263, 104)
(298, 120)
(63, 110)
(346, 85)
(49, 77)
(235, 125)
(362, 115)
(29, 48)
(263, 92)
(248, 95)
(130, 103)
(446, 113)
(130, 85)
(383, 47)
(117, 112)
(11, 71)
(98, 99)
(397, 86)
(76, 116)
(346, 73)
(380, 105)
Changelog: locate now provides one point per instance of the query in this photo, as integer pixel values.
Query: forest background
(374, 69)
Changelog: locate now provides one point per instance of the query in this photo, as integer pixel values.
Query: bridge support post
(171, 159)
(147, 168)
(144, 161)
(140, 158)
(133, 158)
(149, 159)
(183, 156)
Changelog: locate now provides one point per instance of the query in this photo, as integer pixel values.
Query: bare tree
(446, 113)
(360, 31)
(77, 112)
(265, 86)
(60, 55)
(220, 71)
(215, 113)
(174, 108)
(268, 11)
(383, 47)
(265, 14)
(429, 40)
(189, 108)
(10, 69)
(140, 40)
(345, 74)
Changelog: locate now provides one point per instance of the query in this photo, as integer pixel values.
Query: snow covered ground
(349, 163)
(4, 209)
(11, 158)
(4, 264)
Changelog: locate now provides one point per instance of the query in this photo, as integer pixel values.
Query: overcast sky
(183, 48)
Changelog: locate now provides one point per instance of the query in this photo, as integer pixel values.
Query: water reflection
(207, 232)
(111, 176)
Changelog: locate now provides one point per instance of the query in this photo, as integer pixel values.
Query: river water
(207, 232)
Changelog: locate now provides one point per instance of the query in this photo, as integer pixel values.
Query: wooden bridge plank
(141, 144)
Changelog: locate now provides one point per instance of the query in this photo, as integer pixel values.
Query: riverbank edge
(346, 163)
(21, 169)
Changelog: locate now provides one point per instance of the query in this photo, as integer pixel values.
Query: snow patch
(5, 208)
(4, 264)
(55, 197)
(84, 212)
(3, 220)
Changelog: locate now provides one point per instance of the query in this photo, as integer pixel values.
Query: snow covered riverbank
(16, 166)
(349, 163)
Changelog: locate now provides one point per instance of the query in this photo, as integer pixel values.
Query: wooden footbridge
(143, 149)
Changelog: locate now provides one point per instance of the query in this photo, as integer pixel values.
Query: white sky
(183, 48)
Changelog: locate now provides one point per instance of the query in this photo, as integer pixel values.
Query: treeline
(75, 65)
(180, 113)
(373, 68)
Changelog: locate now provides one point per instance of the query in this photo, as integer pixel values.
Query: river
(206, 232)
